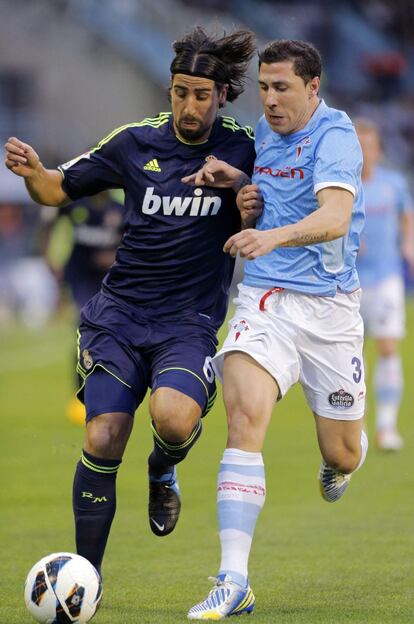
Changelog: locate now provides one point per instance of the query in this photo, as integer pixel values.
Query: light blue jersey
(387, 197)
(290, 170)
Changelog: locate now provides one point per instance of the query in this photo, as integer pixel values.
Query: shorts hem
(339, 416)
(200, 393)
(182, 370)
(120, 409)
(84, 376)
(218, 361)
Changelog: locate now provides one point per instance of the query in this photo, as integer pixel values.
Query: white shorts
(316, 341)
(383, 308)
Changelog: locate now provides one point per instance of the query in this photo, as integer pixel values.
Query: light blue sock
(241, 492)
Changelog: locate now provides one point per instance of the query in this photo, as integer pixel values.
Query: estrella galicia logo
(341, 399)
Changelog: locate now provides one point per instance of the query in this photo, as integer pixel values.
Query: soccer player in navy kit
(154, 322)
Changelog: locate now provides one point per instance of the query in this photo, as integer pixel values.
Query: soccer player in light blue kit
(388, 237)
(297, 317)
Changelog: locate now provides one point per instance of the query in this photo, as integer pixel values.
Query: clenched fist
(21, 158)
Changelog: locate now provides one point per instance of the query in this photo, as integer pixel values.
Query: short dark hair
(222, 59)
(307, 61)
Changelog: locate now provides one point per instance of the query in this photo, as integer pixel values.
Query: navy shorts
(147, 352)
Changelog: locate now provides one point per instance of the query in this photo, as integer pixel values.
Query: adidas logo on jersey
(197, 206)
(152, 165)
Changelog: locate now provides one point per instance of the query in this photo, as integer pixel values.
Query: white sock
(388, 381)
(241, 492)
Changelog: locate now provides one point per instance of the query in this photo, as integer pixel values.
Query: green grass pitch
(311, 562)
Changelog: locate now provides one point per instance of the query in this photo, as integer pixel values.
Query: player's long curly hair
(222, 59)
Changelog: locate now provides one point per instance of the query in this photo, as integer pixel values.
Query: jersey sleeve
(96, 170)
(338, 160)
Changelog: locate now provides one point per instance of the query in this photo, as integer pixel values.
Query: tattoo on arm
(300, 239)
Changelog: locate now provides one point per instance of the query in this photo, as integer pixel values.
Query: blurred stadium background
(70, 72)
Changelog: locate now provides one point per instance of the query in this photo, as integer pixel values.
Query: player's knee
(343, 459)
(175, 428)
(107, 435)
(174, 415)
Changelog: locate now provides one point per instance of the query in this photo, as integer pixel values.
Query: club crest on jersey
(300, 147)
(240, 327)
(87, 359)
(341, 399)
(68, 164)
(198, 206)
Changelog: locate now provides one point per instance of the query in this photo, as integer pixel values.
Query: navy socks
(166, 454)
(94, 505)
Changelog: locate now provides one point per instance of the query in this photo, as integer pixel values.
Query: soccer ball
(62, 588)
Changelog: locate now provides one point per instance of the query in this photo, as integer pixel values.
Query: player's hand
(250, 204)
(21, 158)
(218, 174)
(251, 243)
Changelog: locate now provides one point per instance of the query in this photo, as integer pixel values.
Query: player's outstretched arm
(329, 222)
(219, 174)
(43, 185)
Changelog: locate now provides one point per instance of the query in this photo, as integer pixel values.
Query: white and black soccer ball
(63, 588)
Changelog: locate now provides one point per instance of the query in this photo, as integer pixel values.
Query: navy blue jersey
(170, 259)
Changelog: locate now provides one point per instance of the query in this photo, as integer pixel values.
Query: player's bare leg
(343, 445)
(176, 427)
(250, 393)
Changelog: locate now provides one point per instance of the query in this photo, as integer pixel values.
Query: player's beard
(191, 134)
